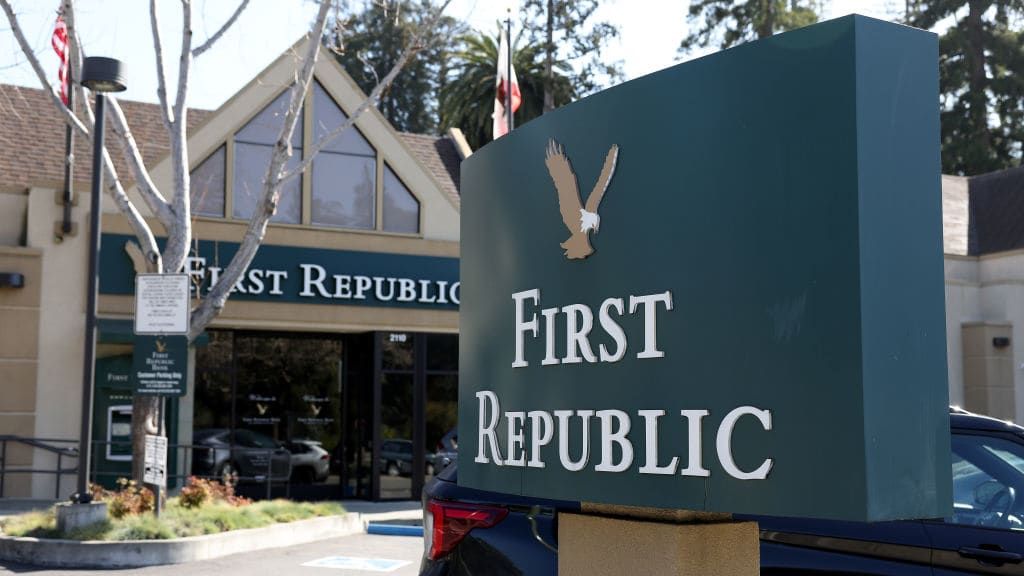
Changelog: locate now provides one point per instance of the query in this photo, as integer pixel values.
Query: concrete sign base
(600, 545)
(72, 516)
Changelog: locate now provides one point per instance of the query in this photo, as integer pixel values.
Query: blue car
(469, 531)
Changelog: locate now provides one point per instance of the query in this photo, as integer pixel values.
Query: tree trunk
(766, 26)
(549, 56)
(144, 421)
(977, 85)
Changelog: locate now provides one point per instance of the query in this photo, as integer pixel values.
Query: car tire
(227, 469)
(393, 469)
(302, 476)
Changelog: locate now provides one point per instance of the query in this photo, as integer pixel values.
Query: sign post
(720, 292)
(160, 358)
(155, 466)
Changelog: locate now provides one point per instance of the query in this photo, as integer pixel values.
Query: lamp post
(99, 75)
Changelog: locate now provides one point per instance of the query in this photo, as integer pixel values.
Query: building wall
(985, 299)
(19, 359)
(61, 329)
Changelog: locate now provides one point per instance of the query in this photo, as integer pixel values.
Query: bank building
(340, 344)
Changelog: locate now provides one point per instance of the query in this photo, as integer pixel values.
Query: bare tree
(172, 208)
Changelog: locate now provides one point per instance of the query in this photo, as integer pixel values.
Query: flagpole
(508, 69)
(69, 154)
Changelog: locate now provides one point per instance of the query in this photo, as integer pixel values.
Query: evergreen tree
(371, 41)
(980, 80)
(565, 32)
(726, 23)
(468, 103)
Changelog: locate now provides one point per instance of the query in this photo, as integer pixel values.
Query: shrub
(129, 499)
(199, 492)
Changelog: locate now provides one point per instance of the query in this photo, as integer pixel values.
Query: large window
(348, 185)
(254, 144)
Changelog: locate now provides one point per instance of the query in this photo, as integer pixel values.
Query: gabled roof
(32, 143)
(996, 212)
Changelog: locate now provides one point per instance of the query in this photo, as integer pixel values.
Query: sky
(650, 31)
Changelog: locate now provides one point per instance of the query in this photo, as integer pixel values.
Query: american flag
(60, 46)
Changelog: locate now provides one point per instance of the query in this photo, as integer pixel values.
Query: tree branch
(210, 306)
(196, 52)
(161, 72)
(69, 116)
(179, 235)
(415, 44)
(147, 189)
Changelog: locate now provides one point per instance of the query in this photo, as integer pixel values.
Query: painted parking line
(354, 563)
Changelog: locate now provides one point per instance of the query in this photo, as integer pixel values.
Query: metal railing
(63, 449)
(186, 467)
(48, 445)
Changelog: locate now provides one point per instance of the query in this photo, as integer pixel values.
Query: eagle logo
(315, 409)
(579, 219)
(262, 408)
(161, 346)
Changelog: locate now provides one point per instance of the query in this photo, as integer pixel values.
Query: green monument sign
(718, 287)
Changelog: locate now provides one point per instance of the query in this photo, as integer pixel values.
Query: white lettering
(542, 429)
(608, 438)
(276, 276)
(309, 281)
(694, 460)
(378, 283)
(256, 281)
(488, 397)
(724, 443)
(342, 286)
(549, 336)
(576, 334)
(650, 465)
(521, 326)
(649, 302)
(406, 290)
(613, 329)
(563, 439)
(424, 291)
(516, 455)
(363, 284)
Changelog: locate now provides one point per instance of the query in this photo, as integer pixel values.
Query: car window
(250, 439)
(988, 481)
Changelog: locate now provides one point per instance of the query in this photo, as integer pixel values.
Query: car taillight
(448, 523)
(324, 456)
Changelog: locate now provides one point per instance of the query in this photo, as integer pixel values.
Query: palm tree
(468, 101)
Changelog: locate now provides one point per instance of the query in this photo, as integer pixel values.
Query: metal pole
(89, 361)
(69, 159)
(508, 69)
(160, 428)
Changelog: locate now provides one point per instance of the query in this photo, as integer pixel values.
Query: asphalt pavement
(356, 555)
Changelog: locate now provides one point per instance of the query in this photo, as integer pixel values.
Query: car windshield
(988, 476)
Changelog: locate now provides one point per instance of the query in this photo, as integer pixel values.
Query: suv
(474, 532)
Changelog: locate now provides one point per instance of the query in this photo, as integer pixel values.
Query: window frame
(306, 186)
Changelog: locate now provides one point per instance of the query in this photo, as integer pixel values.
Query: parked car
(310, 462)
(396, 458)
(474, 532)
(221, 452)
(447, 450)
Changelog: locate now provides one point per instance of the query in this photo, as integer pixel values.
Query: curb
(394, 529)
(139, 553)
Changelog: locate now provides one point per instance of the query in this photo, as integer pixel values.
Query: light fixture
(101, 74)
(12, 280)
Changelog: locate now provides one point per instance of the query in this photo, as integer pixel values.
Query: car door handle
(993, 556)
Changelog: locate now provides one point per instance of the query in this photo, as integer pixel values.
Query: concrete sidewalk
(409, 510)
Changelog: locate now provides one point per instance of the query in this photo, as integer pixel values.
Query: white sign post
(155, 461)
(161, 304)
